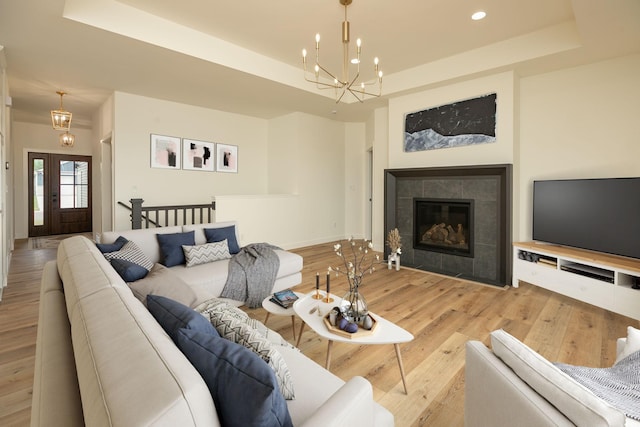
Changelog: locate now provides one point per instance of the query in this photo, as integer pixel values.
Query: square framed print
(165, 152)
(226, 158)
(198, 155)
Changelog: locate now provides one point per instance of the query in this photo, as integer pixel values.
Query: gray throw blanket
(618, 385)
(252, 273)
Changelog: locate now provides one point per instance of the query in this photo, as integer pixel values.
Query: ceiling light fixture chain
(345, 83)
(61, 120)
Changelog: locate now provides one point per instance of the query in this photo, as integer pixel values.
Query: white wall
(103, 137)
(29, 137)
(500, 151)
(379, 144)
(355, 154)
(307, 158)
(578, 123)
(137, 117)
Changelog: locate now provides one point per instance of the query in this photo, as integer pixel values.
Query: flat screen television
(596, 214)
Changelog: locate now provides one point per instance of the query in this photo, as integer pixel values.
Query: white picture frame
(226, 158)
(198, 155)
(165, 152)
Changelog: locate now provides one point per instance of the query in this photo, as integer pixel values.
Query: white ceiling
(245, 56)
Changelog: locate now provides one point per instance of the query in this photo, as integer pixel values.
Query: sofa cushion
(577, 403)
(171, 247)
(164, 282)
(233, 374)
(112, 247)
(129, 271)
(132, 253)
(632, 343)
(222, 233)
(208, 252)
(172, 316)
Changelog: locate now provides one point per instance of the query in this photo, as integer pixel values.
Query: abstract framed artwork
(165, 152)
(226, 158)
(467, 122)
(198, 155)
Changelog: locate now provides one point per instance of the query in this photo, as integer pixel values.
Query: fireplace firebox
(443, 225)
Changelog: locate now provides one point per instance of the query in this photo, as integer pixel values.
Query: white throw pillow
(575, 401)
(132, 253)
(209, 252)
(632, 344)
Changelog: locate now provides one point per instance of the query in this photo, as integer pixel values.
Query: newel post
(136, 213)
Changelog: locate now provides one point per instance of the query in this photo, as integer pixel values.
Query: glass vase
(354, 306)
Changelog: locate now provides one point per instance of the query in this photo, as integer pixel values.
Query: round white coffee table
(277, 310)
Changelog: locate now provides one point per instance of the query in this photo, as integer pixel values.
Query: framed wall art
(198, 155)
(467, 122)
(226, 158)
(165, 152)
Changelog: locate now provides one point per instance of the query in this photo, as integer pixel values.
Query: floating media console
(604, 280)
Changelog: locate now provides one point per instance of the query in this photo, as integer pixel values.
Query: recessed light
(478, 15)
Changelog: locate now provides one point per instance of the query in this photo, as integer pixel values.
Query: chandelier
(67, 139)
(61, 119)
(344, 83)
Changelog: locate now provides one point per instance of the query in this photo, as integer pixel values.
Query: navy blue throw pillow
(171, 247)
(172, 316)
(219, 234)
(243, 387)
(105, 248)
(129, 271)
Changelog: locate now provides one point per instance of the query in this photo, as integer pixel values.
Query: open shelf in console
(586, 270)
(608, 281)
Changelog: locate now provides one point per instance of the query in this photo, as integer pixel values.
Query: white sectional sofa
(511, 385)
(103, 360)
(207, 280)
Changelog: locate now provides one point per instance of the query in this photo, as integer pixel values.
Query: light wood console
(596, 278)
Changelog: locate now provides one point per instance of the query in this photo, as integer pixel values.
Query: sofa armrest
(56, 394)
(494, 395)
(352, 404)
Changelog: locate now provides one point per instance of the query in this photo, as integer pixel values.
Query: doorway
(59, 194)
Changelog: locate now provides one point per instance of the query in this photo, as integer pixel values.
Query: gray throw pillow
(164, 282)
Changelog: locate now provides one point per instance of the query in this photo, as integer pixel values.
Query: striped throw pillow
(209, 252)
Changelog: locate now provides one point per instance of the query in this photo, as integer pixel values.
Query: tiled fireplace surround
(489, 186)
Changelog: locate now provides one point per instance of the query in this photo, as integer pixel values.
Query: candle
(328, 276)
(317, 281)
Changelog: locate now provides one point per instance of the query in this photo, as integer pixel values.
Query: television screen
(597, 214)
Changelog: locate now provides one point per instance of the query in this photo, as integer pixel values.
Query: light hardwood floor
(441, 312)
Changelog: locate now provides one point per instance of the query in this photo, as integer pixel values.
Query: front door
(59, 194)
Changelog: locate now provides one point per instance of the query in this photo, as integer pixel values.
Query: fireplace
(476, 197)
(443, 225)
